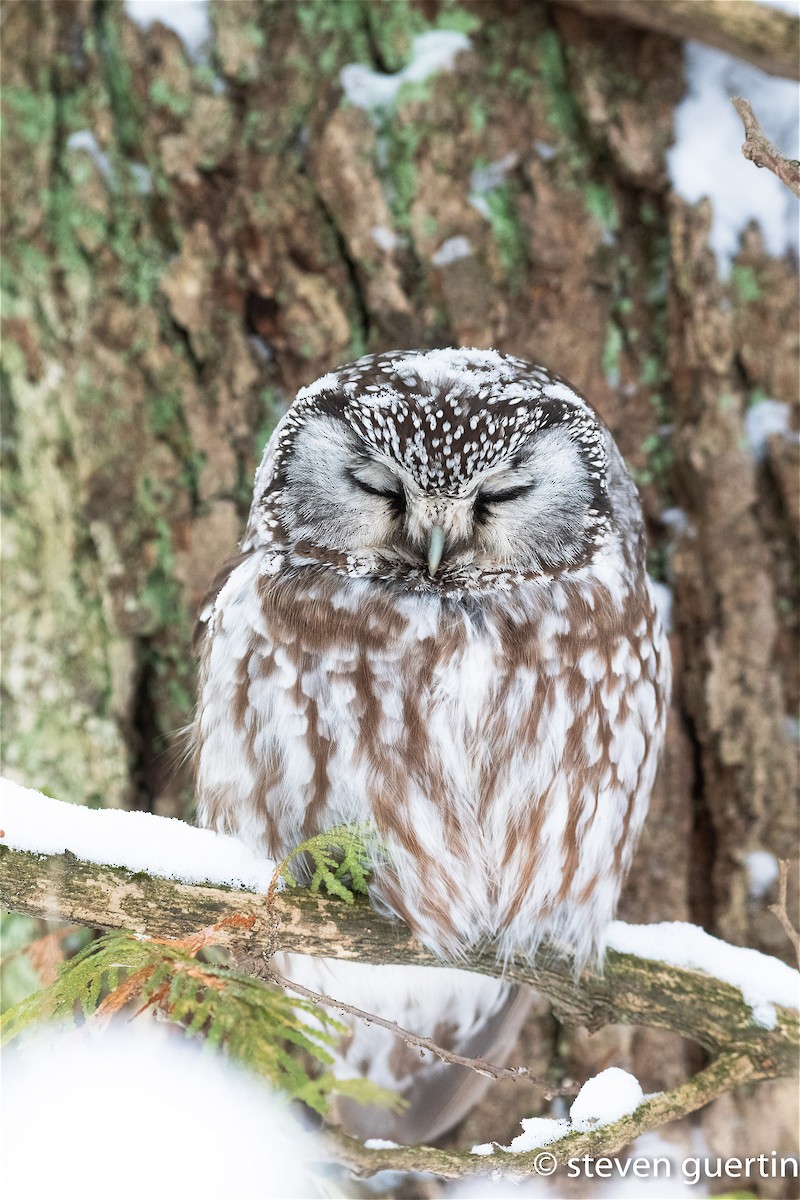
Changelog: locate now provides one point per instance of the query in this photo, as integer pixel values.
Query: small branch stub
(759, 149)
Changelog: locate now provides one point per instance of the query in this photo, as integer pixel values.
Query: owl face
(433, 465)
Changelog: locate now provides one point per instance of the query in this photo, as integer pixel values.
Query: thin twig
(782, 912)
(478, 1065)
(759, 149)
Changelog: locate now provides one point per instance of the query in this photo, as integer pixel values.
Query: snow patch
(380, 1144)
(187, 18)
(605, 1098)
(430, 53)
(536, 1132)
(489, 178)
(451, 250)
(384, 239)
(761, 421)
(84, 139)
(545, 150)
(663, 598)
(137, 841)
(761, 979)
(706, 159)
(145, 1096)
(762, 872)
(676, 521)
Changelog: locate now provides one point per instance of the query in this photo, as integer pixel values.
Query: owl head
(441, 469)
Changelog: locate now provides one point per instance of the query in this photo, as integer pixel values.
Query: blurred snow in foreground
(137, 1113)
(706, 159)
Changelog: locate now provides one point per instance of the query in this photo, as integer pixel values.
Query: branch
(631, 990)
(758, 34)
(781, 911)
(726, 1072)
(255, 924)
(760, 150)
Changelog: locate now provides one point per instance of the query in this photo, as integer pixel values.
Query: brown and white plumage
(440, 623)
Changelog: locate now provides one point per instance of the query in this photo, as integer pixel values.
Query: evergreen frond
(259, 1025)
(341, 860)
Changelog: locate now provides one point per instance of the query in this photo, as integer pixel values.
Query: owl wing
(440, 1094)
(470, 1015)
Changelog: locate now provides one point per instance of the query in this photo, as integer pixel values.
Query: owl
(439, 624)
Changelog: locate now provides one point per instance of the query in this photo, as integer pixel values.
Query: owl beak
(435, 549)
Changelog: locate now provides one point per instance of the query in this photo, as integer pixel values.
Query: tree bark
(187, 244)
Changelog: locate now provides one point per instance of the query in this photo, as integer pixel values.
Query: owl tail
(468, 1014)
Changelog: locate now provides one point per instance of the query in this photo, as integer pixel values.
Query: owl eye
(484, 499)
(395, 496)
(509, 494)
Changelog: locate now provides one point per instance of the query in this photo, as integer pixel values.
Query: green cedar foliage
(284, 1039)
(340, 860)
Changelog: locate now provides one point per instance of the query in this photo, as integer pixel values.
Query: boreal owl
(440, 623)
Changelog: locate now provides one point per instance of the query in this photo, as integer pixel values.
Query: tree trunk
(187, 244)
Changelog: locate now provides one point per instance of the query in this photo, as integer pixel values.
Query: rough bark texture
(169, 285)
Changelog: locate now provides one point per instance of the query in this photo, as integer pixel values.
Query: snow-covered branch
(111, 870)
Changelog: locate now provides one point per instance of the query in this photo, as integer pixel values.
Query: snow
(761, 421)
(451, 250)
(158, 1115)
(536, 1132)
(675, 520)
(188, 18)
(545, 150)
(430, 52)
(84, 139)
(605, 1098)
(706, 159)
(384, 238)
(763, 981)
(489, 178)
(380, 1144)
(138, 841)
(762, 871)
(663, 598)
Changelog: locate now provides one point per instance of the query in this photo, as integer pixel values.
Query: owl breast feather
(504, 753)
